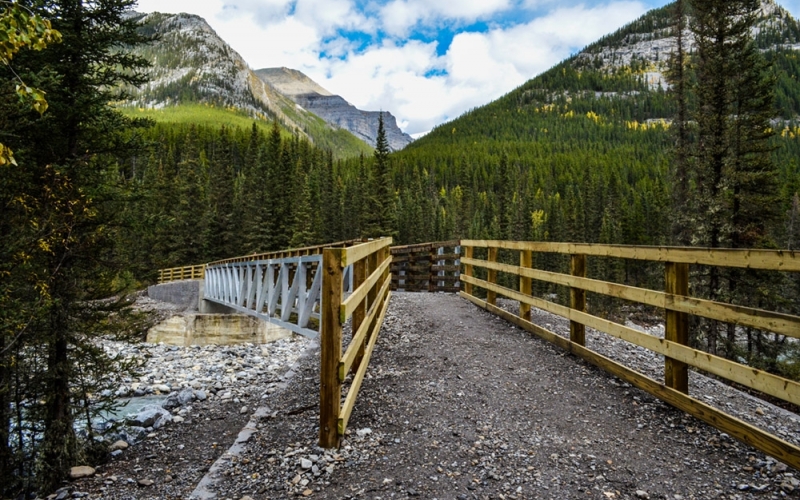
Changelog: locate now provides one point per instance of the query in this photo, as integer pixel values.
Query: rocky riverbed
(456, 404)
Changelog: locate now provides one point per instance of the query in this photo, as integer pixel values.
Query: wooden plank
(785, 324)
(468, 252)
(355, 386)
(358, 252)
(744, 432)
(577, 299)
(418, 247)
(330, 390)
(782, 388)
(525, 283)
(448, 256)
(356, 344)
(360, 293)
(446, 269)
(676, 329)
(491, 296)
(347, 364)
(775, 260)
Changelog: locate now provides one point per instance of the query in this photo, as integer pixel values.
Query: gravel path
(459, 404)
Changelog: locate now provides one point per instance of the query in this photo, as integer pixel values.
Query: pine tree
(382, 219)
(676, 74)
(736, 180)
(68, 193)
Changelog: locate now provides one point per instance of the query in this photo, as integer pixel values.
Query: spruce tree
(381, 216)
(67, 193)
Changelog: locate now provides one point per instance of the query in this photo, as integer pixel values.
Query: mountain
(192, 65)
(333, 108)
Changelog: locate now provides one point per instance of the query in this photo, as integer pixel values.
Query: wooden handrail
(677, 304)
(371, 281)
(772, 260)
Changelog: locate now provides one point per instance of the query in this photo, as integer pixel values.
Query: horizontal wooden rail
(776, 322)
(358, 295)
(773, 260)
(677, 305)
(291, 252)
(747, 433)
(181, 273)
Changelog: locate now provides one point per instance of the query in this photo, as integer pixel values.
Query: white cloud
(399, 16)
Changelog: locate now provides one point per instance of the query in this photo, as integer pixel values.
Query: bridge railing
(181, 273)
(677, 304)
(427, 267)
(366, 305)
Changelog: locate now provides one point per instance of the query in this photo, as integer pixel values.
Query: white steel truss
(286, 292)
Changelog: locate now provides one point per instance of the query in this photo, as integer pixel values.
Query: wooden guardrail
(427, 267)
(181, 273)
(292, 252)
(676, 302)
(366, 305)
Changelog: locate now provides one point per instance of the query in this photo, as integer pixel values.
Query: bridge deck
(462, 405)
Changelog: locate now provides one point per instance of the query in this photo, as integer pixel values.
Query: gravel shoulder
(457, 404)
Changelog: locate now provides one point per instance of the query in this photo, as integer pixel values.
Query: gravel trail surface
(458, 404)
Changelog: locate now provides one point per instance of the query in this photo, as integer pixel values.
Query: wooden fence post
(525, 284)
(468, 270)
(330, 390)
(676, 279)
(491, 297)
(359, 276)
(577, 299)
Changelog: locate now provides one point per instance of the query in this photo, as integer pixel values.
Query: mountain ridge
(334, 109)
(191, 63)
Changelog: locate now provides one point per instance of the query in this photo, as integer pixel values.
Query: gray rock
(306, 463)
(201, 395)
(151, 416)
(81, 472)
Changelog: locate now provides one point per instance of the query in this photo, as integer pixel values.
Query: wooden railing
(427, 267)
(182, 273)
(292, 252)
(366, 305)
(675, 301)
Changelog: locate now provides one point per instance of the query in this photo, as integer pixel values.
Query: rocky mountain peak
(334, 109)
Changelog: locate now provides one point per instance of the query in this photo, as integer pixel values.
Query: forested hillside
(581, 152)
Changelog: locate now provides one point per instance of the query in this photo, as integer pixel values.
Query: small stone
(243, 410)
(246, 498)
(307, 493)
(642, 494)
(145, 482)
(306, 463)
(201, 395)
(118, 445)
(178, 419)
(364, 432)
(743, 487)
(759, 411)
(81, 471)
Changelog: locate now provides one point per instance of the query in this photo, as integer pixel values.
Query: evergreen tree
(67, 193)
(382, 219)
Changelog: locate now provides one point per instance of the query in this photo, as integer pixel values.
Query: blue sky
(425, 61)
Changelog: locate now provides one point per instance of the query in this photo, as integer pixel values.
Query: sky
(425, 61)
